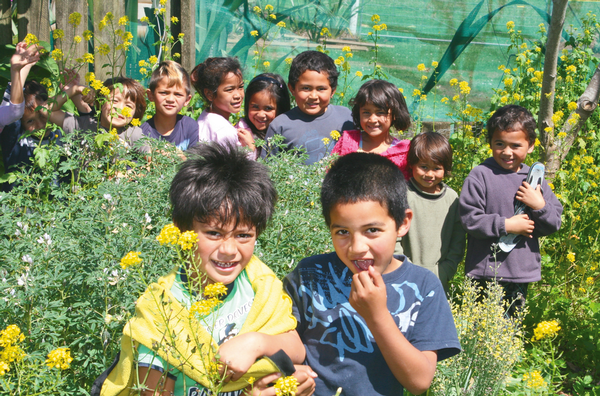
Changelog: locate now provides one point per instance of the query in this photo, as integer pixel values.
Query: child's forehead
(310, 74)
(514, 132)
(356, 209)
(224, 224)
(170, 83)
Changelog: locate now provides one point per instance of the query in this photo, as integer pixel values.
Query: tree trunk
(33, 18)
(71, 49)
(5, 22)
(547, 137)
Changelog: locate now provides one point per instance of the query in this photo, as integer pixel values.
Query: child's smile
(510, 148)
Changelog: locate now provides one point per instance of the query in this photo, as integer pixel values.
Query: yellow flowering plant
(268, 27)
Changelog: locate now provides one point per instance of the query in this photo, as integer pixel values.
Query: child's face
(428, 176)
(33, 120)
(364, 235)
(112, 111)
(229, 96)
(168, 100)
(262, 109)
(510, 148)
(312, 92)
(375, 121)
(224, 251)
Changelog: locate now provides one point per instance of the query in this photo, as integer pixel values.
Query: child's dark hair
(131, 90)
(386, 96)
(35, 94)
(509, 117)
(431, 147)
(219, 182)
(272, 83)
(358, 177)
(209, 74)
(174, 72)
(315, 61)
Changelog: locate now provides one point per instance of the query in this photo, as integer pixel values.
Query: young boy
(227, 200)
(312, 81)
(436, 239)
(372, 323)
(170, 89)
(487, 205)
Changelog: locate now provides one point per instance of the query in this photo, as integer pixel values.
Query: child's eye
(341, 232)
(372, 230)
(244, 236)
(269, 108)
(213, 234)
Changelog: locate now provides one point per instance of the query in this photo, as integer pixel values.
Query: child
(377, 107)
(436, 239)
(487, 205)
(170, 90)
(21, 63)
(372, 323)
(266, 97)
(312, 81)
(221, 84)
(125, 102)
(227, 200)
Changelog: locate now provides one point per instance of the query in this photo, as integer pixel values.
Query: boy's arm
(240, 352)
(547, 218)
(20, 65)
(456, 247)
(413, 368)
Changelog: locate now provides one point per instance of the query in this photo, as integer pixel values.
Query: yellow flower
(325, 31)
(126, 111)
(46, 82)
(254, 33)
(286, 386)
(181, 35)
(136, 122)
(268, 8)
(31, 39)
(383, 26)
(434, 64)
(546, 329)
(169, 235)
(204, 307)
(530, 70)
(416, 92)
(571, 69)
(131, 259)
(90, 77)
(325, 141)
(59, 358)
(401, 90)
(561, 135)
(453, 82)
(87, 35)
(504, 99)
(444, 100)
(187, 240)
(89, 58)
(455, 97)
(281, 24)
(421, 67)
(338, 61)
(4, 368)
(266, 64)
(11, 335)
(75, 19)
(163, 2)
(216, 290)
(534, 380)
(464, 87)
(153, 59)
(375, 18)
(57, 54)
(589, 280)
(144, 19)
(516, 96)
(162, 10)
(256, 9)
(523, 46)
(377, 27)
(335, 135)
(77, 39)
(58, 34)
(174, 19)
(571, 257)
(510, 25)
(572, 106)
(123, 21)
(346, 49)
(358, 74)
(288, 61)
(507, 71)
(143, 70)
(273, 16)
(109, 16)
(104, 49)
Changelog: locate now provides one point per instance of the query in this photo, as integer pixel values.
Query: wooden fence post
(117, 7)
(185, 10)
(5, 23)
(33, 18)
(63, 10)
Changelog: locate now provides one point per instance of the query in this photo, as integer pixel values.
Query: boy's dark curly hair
(315, 61)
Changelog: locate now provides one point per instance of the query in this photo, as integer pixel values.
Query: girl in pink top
(377, 107)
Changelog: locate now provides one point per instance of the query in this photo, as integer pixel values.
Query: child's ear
(291, 88)
(405, 226)
(150, 95)
(187, 101)
(209, 94)
(333, 92)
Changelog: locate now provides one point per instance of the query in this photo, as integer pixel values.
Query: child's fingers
(376, 277)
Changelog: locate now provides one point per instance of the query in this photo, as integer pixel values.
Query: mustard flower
(59, 358)
(204, 307)
(421, 67)
(434, 64)
(89, 58)
(416, 92)
(153, 59)
(510, 25)
(358, 74)
(130, 259)
(254, 33)
(215, 290)
(87, 35)
(104, 49)
(181, 35)
(174, 19)
(444, 100)
(77, 39)
(325, 141)
(46, 82)
(266, 64)
(455, 97)
(57, 54)
(163, 2)
(281, 24)
(453, 82)
(89, 77)
(31, 39)
(534, 380)
(286, 386)
(572, 106)
(126, 111)
(4, 368)
(136, 122)
(273, 16)
(464, 88)
(11, 335)
(169, 235)
(144, 19)
(335, 135)
(187, 240)
(571, 69)
(58, 34)
(256, 9)
(143, 70)
(508, 82)
(346, 49)
(325, 31)
(547, 329)
(288, 61)
(123, 21)
(75, 19)
(375, 18)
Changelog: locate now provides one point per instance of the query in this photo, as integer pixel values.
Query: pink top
(351, 142)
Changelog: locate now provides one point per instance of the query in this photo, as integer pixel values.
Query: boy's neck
(164, 124)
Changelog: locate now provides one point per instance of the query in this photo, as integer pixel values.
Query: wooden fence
(33, 17)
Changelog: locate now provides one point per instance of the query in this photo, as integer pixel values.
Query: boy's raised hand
(368, 295)
(304, 375)
(238, 354)
(530, 197)
(519, 224)
(246, 139)
(24, 56)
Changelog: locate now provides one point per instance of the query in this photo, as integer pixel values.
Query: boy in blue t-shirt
(170, 90)
(372, 323)
(312, 80)
(227, 200)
